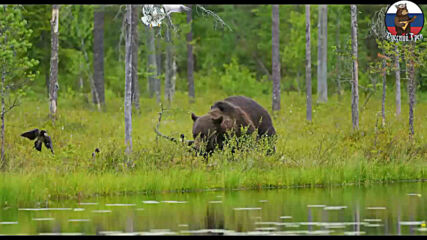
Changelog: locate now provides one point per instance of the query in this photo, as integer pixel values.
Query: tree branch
(214, 15)
(10, 107)
(156, 129)
(261, 64)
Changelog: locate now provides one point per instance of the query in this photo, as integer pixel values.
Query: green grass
(324, 152)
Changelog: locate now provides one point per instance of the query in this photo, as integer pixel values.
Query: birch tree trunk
(157, 84)
(152, 64)
(325, 55)
(134, 49)
(338, 64)
(355, 72)
(3, 110)
(85, 68)
(53, 79)
(81, 85)
(159, 57)
(275, 58)
(406, 73)
(308, 61)
(98, 58)
(411, 85)
(319, 51)
(190, 58)
(322, 86)
(173, 78)
(383, 94)
(169, 65)
(128, 81)
(398, 97)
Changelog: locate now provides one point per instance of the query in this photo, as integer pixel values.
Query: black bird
(41, 136)
(94, 153)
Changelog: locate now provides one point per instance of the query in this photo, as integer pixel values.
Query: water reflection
(395, 209)
(214, 216)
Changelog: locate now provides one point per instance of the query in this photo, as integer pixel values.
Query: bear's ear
(224, 106)
(221, 105)
(215, 112)
(216, 116)
(194, 117)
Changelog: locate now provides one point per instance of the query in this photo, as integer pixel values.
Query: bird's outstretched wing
(38, 145)
(48, 142)
(31, 134)
(170, 8)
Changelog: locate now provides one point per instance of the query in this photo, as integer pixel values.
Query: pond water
(391, 209)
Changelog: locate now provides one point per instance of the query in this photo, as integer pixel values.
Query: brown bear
(402, 21)
(229, 116)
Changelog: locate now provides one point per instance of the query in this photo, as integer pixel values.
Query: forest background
(225, 62)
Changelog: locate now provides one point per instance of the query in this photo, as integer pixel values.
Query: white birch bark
(53, 79)
(398, 93)
(276, 58)
(308, 62)
(355, 79)
(128, 81)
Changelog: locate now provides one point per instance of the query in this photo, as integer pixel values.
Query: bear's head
(205, 132)
(402, 11)
(223, 117)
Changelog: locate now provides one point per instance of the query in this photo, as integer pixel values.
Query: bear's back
(259, 116)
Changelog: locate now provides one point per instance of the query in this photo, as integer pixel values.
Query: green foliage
(214, 48)
(77, 23)
(376, 66)
(17, 68)
(294, 44)
(238, 80)
(415, 53)
(38, 17)
(76, 40)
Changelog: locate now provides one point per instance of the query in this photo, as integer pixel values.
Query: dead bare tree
(377, 29)
(128, 81)
(134, 46)
(169, 67)
(97, 83)
(190, 58)
(322, 61)
(355, 80)
(97, 79)
(53, 89)
(308, 62)
(275, 58)
(397, 71)
(339, 59)
(412, 86)
(153, 79)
